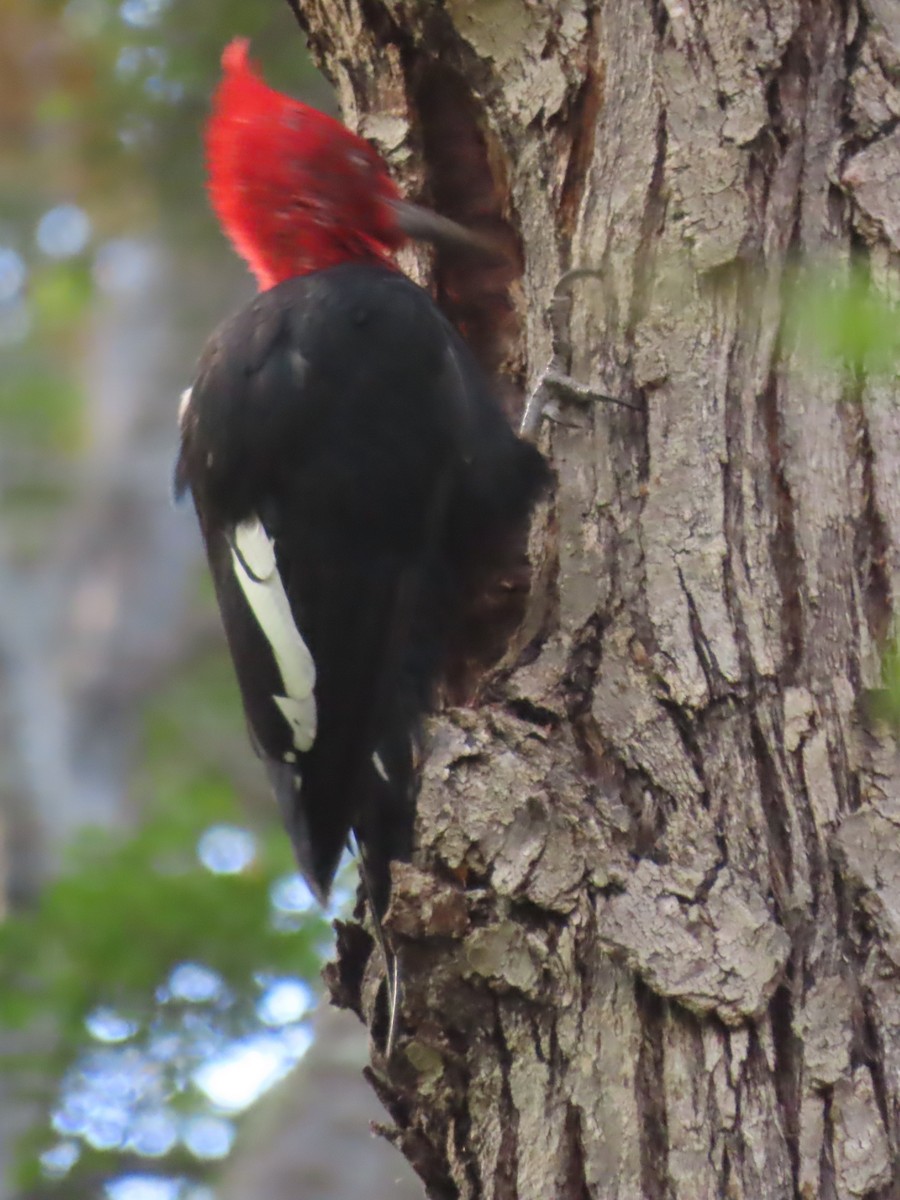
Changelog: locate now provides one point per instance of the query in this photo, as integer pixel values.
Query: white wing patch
(183, 404)
(253, 558)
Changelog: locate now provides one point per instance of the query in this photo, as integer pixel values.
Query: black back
(343, 411)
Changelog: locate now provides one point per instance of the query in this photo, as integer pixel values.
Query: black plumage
(342, 412)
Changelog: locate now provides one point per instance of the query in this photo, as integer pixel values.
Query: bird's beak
(426, 226)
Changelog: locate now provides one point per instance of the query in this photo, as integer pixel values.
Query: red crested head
(294, 190)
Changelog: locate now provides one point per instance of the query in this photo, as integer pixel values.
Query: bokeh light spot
(241, 1074)
(12, 273)
(208, 1137)
(226, 849)
(284, 1002)
(106, 1025)
(143, 1187)
(194, 983)
(142, 14)
(59, 1159)
(63, 231)
(153, 1134)
(291, 895)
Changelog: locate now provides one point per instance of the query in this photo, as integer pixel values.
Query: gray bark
(652, 936)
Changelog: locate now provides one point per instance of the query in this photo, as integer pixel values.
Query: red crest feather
(294, 189)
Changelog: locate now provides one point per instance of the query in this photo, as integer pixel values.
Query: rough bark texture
(651, 941)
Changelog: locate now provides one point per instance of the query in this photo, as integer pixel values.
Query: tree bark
(651, 938)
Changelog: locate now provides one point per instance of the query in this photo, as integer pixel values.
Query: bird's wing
(317, 644)
(323, 515)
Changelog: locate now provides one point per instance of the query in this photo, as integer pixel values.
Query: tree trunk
(652, 935)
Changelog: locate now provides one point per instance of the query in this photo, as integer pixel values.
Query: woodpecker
(351, 470)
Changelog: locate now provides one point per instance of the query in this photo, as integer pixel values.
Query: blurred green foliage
(129, 909)
(102, 104)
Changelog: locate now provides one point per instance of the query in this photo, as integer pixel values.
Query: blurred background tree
(156, 975)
